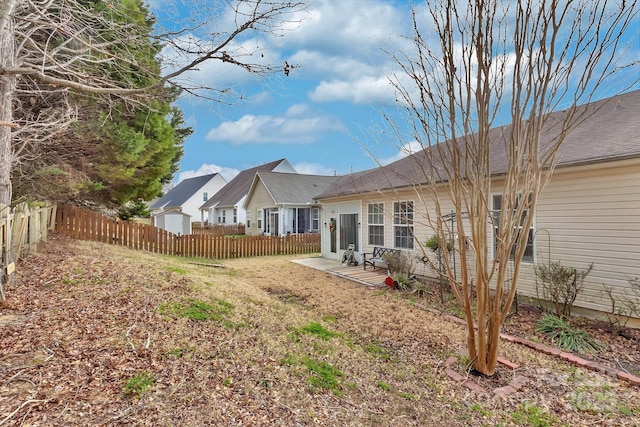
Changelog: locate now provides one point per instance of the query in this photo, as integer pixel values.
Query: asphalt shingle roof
(606, 130)
(292, 188)
(179, 194)
(238, 187)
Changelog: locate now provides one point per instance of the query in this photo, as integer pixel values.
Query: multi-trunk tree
(57, 57)
(477, 65)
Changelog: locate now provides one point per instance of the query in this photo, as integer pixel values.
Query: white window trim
(525, 259)
(407, 223)
(369, 223)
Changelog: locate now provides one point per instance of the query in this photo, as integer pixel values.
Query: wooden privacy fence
(21, 228)
(217, 229)
(85, 224)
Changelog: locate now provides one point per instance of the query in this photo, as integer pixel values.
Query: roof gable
(170, 212)
(287, 188)
(182, 192)
(233, 192)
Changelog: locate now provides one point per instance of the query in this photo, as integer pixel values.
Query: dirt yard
(94, 335)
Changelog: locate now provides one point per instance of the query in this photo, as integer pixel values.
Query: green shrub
(137, 208)
(434, 243)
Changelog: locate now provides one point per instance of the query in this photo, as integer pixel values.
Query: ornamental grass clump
(567, 337)
(402, 281)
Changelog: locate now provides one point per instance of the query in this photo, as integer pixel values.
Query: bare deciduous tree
(475, 66)
(51, 48)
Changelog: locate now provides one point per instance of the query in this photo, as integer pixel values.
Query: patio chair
(348, 257)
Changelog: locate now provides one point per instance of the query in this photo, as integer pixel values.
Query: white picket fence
(21, 227)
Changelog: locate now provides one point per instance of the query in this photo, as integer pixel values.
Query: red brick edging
(552, 351)
(514, 385)
(575, 360)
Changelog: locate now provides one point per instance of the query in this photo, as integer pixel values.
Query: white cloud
(307, 168)
(297, 110)
(337, 43)
(340, 45)
(406, 150)
(215, 73)
(325, 65)
(297, 125)
(362, 91)
(205, 169)
(338, 27)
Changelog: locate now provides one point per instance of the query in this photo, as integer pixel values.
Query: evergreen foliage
(117, 151)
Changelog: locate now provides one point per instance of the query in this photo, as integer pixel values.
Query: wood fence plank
(84, 224)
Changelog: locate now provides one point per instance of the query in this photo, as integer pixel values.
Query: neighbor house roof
(238, 187)
(604, 130)
(182, 192)
(288, 188)
(172, 211)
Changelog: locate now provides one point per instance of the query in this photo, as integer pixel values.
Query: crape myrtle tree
(66, 58)
(473, 66)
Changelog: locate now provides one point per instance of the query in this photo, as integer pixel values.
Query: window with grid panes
(315, 219)
(375, 220)
(497, 212)
(403, 225)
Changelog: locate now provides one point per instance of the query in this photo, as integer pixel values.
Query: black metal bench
(377, 256)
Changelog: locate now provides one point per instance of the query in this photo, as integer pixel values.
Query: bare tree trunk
(7, 89)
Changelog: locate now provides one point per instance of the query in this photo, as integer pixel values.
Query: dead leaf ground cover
(99, 335)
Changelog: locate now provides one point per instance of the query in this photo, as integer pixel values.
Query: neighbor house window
(259, 219)
(300, 219)
(235, 215)
(497, 212)
(205, 196)
(315, 219)
(224, 216)
(403, 225)
(248, 220)
(375, 219)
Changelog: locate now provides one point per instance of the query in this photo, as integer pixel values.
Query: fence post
(18, 231)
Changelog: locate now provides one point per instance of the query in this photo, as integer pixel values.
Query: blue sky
(326, 116)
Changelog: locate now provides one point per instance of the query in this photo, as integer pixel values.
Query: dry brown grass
(85, 321)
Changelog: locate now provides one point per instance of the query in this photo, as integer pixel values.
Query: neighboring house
(227, 205)
(282, 203)
(173, 221)
(588, 212)
(188, 195)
